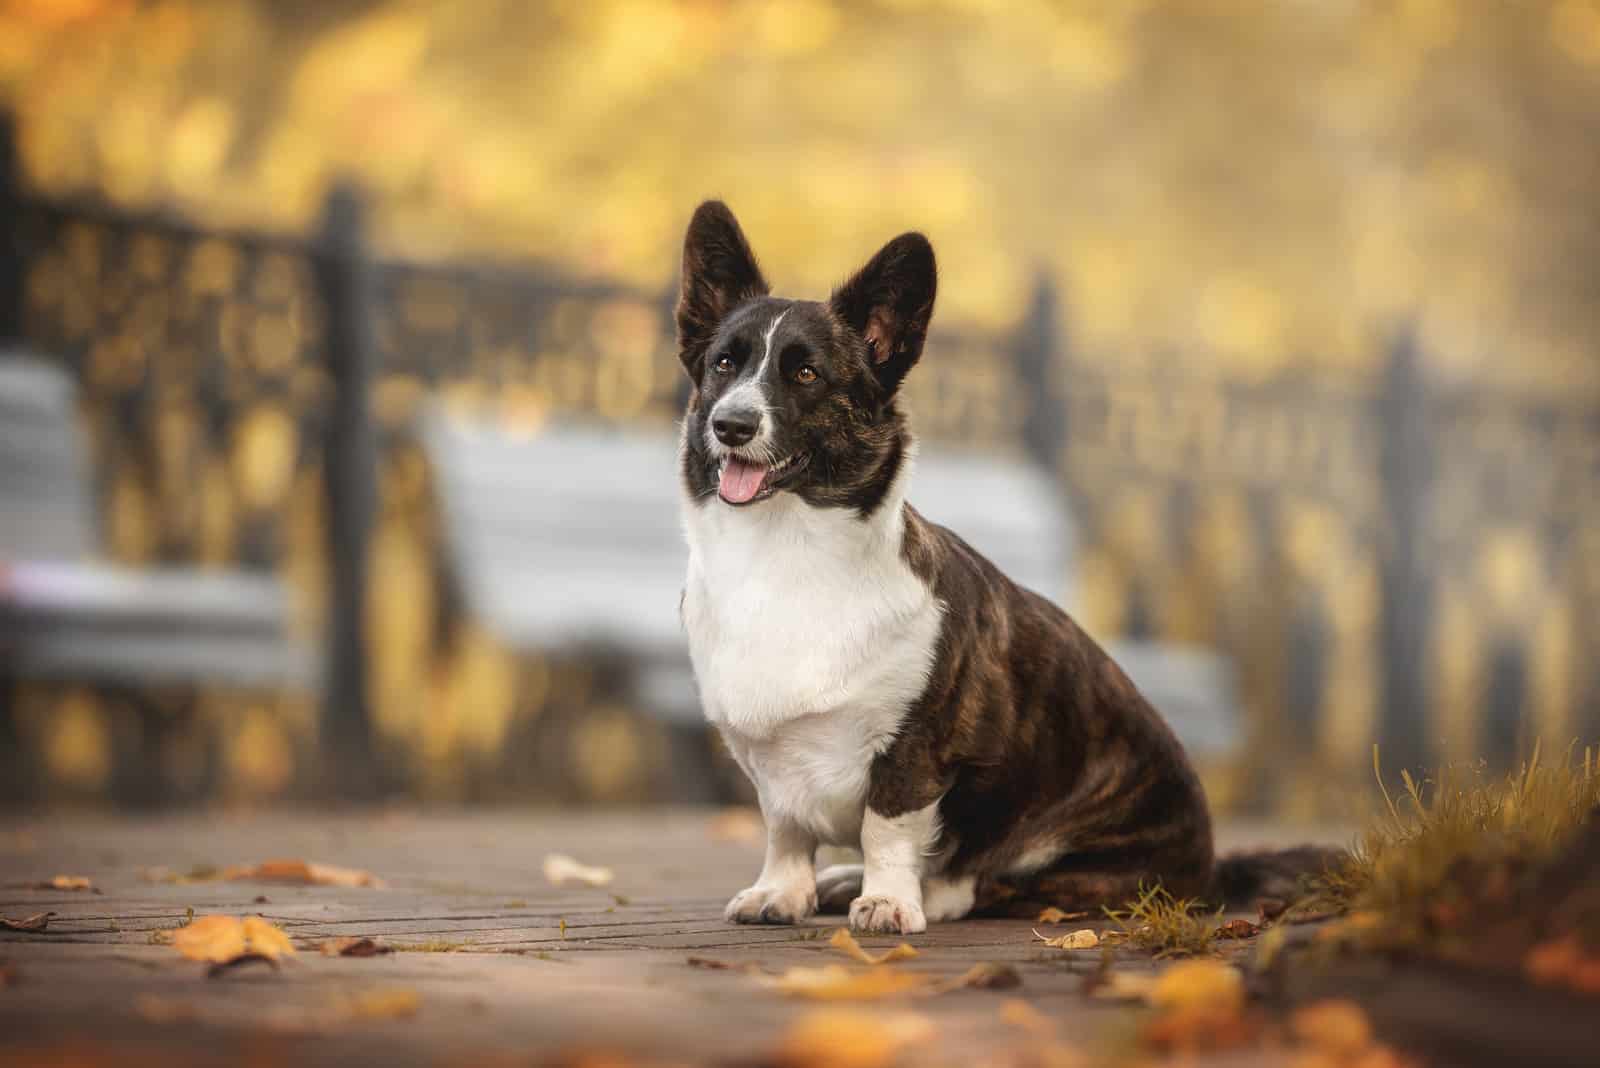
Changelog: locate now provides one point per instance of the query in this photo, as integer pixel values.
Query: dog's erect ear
(889, 303)
(719, 273)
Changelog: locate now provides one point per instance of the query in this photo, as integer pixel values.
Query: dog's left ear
(889, 303)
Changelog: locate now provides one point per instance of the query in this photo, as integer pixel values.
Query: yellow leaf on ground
(834, 982)
(1198, 983)
(1335, 1026)
(70, 882)
(1084, 939)
(214, 938)
(846, 943)
(225, 939)
(266, 940)
(850, 1038)
(301, 871)
(1055, 915)
(561, 869)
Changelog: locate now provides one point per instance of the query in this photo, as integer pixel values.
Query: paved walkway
(494, 961)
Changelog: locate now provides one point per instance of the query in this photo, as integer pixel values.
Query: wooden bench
(571, 540)
(68, 616)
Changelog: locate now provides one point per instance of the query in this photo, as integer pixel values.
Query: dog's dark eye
(724, 365)
(805, 374)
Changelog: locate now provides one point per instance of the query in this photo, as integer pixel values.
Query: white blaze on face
(751, 393)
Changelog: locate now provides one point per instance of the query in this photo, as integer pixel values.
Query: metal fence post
(15, 775)
(344, 277)
(10, 233)
(1405, 470)
(1035, 350)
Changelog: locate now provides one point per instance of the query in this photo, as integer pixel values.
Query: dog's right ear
(719, 273)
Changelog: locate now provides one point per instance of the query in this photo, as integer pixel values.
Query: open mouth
(745, 482)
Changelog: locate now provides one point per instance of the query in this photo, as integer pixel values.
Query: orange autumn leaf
(225, 939)
(851, 1038)
(1335, 1026)
(846, 943)
(70, 882)
(1198, 984)
(1055, 915)
(834, 982)
(302, 871)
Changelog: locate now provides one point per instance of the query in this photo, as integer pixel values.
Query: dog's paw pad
(881, 914)
(766, 904)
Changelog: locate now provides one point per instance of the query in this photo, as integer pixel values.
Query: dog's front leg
(786, 892)
(893, 851)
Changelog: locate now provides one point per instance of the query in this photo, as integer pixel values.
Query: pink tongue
(741, 481)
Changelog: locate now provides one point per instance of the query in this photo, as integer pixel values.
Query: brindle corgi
(882, 684)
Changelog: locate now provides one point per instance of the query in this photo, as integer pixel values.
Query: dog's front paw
(771, 904)
(881, 914)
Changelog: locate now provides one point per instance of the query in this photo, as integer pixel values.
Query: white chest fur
(810, 637)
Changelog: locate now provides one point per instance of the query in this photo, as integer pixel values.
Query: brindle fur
(1028, 735)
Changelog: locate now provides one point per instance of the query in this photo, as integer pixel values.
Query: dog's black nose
(735, 428)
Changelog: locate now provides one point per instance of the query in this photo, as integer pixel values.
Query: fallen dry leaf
(1563, 962)
(1335, 1026)
(715, 965)
(9, 975)
(846, 943)
(1084, 939)
(738, 824)
(1194, 983)
(988, 975)
(353, 947)
(384, 1004)
(850, 1038)
(834, 982)
(32, 924)
(1015, 1012)
(226, 940)
(1240, 928)
(1201, 1029)
(1055, 915)
(59, 882)
(301, 871)
(560, 869)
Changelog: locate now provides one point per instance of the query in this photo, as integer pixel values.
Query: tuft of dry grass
(1165, 925)
(1438, 842)
(434, 945)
